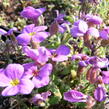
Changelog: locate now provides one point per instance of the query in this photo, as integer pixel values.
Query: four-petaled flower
(15, 81)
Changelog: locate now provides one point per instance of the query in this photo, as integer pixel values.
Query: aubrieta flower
(93, 32)
(98, 62)
(75, 96)
(40, 55)
(32, 13)
(104, 34)
(15, 81)
(60, 17)
(105, 77)
(79, 29)
(32, 33)
(38, 98)
(61, 53)
(100, 93)
(93, 19)
(83, 59)
(40, 76)
(2, 31)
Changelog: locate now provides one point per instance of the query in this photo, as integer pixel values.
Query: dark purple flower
(100, 93)
(60, 17)
(104, 34)
(63, 27)
(61, 53)
(93, 19)
(32, 13)
(32, 33)
(75, 96)
(15, 81)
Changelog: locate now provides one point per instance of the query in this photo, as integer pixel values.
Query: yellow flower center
(32, 33)
(14, 82)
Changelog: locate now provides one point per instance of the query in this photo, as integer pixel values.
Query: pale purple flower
(93, 32)
(61, 53)
(32, 13)
(105, 77)
(32, 33)
(75, 96)
(94, 19)
(79, 29)
(40, 55)
(2, 31)
(15, 81)
(40, 97)
(100, 93)
(40, 77)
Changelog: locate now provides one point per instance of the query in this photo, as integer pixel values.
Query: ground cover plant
(54, 54)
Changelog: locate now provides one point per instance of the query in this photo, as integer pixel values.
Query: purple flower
(75, 96)
(61, 53)
(93, 19)
(63, 27)
(104, 34)
(2, 32)
(60, 17)
(80, 57)
(93, 32)
(15, 81)
(32, 33)
(100, 93)
(40, 97)
(98, 62)
(105, 77)
(83, 59)
(40, 77)
(79, 29)
(40, 55)
(32, 13)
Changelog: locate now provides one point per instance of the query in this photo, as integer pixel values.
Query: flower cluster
(42, 67)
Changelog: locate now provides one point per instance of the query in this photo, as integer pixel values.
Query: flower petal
(63, 50)
(14, 71)
(23, 39)
(40, 82)
(10, 91)
(74, 96)
(45, 70)
(4, 80)
(40, 36)
(26, 86)
(100, 93)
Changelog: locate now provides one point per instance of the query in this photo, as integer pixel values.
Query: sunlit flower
(61, 53)
(40, 76)
(32, 33)
(15, 81)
